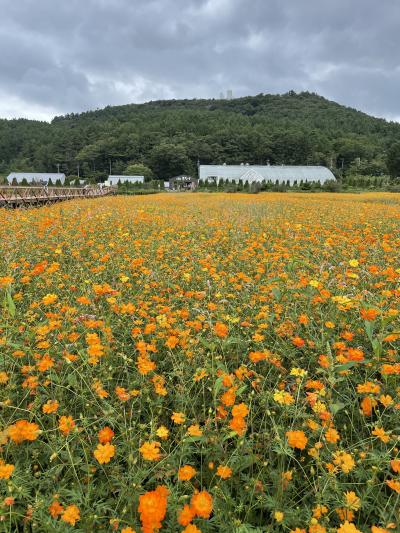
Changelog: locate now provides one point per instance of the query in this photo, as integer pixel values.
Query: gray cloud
(58, 57)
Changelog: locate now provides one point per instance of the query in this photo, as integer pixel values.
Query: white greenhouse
(267, 173)
(35, 177)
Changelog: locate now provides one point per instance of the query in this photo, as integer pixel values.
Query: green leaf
(346, 366)
(195, 439)
(218, 386)
(328, 349)
(209, 345)
(377, 347)
(276, 293)
(369, 330)
(10, 304)
(336, 407)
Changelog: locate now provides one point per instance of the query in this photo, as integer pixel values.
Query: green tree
(169, 160)
(138, 169)
(393, 160)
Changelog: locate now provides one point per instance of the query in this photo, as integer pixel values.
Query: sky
(63, 56)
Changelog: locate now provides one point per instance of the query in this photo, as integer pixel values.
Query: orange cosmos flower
(83, 300)
(159, 385)
(344, 514)
(162, 432)
(388, 370)
(323, 361)
(332, 435)
(105, 435)
(185, 515)
(355, 354)
(99, 390)
(395, 464)
(344, 461)
(298, 342)
(240, 410)
(153, 508)
(224, 472)
(368, 388)
(55, 509)
(191, 528)
(45, 363)
(172, 342)
(95, 350)
(221, 330)
(227, 379)
(352, 501)
(394, 485)
(122, 394)
(316, 528)
(200, 374)
(256, 357)
(5, 281)
(367, 404)
(6, 470)
(348, 527)
(150, 451)
(71, 515)
(194, 431)
(178, 418)
(23, 430)
(50, 406)
(238, 425)
(303, 319)
(202, 504)
(297, 439)
(392, 337)
(229, 397)
(185, 473)
(381, 434)
(369, 314)
(49, 299)
(104, 452)
(145, 365)
(386, 400)
(66, 424)
(319, 511)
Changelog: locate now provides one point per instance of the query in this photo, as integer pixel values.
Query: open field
(221, 362)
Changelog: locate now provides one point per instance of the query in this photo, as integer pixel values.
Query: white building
(35, 177)
(260, 173)
(114, 180)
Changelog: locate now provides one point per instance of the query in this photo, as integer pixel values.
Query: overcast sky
(60, 56)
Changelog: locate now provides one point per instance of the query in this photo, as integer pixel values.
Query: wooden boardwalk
(35, 196)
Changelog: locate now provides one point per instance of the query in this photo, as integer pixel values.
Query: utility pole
(110, 167)
(79, 170)
(58, 168)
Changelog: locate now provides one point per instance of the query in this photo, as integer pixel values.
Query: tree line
(162, 139)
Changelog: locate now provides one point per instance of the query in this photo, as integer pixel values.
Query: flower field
(198, 362)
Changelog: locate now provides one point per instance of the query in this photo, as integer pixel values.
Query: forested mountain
(165, 138)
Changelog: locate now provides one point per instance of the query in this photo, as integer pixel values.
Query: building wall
(32, 177)
(258, 173)
(113, 180)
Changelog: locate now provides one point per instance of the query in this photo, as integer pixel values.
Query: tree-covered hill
(165, 138)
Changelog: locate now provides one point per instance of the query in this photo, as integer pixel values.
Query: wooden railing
(19, 196)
